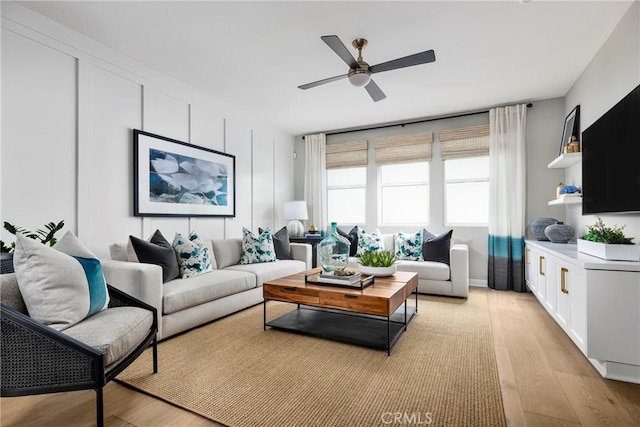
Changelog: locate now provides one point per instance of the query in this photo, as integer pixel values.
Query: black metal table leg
(388, 335)
(405, 315)
(416, 300)
(264, 316)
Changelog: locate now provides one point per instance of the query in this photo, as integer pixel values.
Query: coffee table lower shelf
(365, 330)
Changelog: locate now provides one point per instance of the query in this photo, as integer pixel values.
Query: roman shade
(464, 142)
(404, 148)
(347, 154)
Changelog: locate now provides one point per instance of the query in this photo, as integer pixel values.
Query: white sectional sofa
(183, 304)
(435, 277)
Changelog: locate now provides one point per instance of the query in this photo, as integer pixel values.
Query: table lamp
(295, 211)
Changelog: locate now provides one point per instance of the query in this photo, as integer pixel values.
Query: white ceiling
(253, 55)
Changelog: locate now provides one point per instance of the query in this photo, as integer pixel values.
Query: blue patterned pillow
(409, 246)
(369, 242)
(256, 249)
(194, 257)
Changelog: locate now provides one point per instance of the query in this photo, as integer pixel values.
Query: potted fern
(46, 236)
(377, 263)
(608, 243)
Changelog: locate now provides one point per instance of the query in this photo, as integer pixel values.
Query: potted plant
(378, 263)
(45, 236)
(608, 243)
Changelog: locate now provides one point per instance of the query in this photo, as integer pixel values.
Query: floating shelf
(565, 160)
(566, 201)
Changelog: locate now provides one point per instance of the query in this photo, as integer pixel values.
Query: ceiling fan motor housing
(360, 76)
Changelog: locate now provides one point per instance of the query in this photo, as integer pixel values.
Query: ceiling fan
(360, 72)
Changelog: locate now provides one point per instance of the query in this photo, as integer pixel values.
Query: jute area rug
(442, 372)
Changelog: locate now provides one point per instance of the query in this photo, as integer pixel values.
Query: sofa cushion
(270, 271)
(257, 249)
(158, 251)
(179, 294)
(10, 295)
(436, 248)
(369, 242)
(60, 285)
(193, 255)
(114, 331)
(427, 270)
(409, 246)
(227, 251)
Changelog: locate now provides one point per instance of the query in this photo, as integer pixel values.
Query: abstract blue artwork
(174, 178)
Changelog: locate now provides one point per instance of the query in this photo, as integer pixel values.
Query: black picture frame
(571, 128)
(176, 179)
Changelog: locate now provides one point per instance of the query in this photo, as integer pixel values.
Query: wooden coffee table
(373, 317)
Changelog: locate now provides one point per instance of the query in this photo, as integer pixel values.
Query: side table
(313, 241)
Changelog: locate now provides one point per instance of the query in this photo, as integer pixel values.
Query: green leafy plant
(377, 259)
(45, 236)
(600, 233)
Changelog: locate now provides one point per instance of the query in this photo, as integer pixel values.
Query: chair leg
(155, 355)
(99, 408)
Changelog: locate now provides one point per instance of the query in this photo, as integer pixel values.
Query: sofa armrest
(302, 252)
(140, 280)
(459, 259)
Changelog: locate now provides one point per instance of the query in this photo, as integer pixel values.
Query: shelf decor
(608, 243)
(571, 129)
(174, 178)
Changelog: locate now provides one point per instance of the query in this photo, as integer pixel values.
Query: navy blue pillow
(157, 251)
(436, 248)
(352, 236)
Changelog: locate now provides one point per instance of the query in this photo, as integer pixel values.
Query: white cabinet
(595, 302)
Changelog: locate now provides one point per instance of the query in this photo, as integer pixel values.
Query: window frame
(348, 187)
(380, 200)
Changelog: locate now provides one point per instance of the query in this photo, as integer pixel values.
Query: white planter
(610, 252)
(378, 271)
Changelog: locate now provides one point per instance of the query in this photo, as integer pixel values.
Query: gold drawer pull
(540, 265)
(563, 280)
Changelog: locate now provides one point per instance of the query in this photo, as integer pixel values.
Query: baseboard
(479, 283)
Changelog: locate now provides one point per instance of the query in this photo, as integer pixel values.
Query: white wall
(611, 74)
(69, 106)
(544, 132)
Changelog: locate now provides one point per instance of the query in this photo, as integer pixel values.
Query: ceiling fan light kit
(360, 72)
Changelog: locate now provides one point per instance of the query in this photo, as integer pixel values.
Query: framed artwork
(174, 178)
(571, 128)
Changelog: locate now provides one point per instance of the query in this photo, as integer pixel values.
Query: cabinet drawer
(291, 294)
(356, 303)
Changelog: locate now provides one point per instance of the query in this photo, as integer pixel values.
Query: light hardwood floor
(545, 380)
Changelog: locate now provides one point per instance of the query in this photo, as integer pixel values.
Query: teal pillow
(409, 246)
(257, 249)
(60, 285)
(194, 257)
(369, 242)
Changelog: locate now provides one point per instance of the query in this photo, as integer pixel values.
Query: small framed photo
(571, 128)
(174, 178)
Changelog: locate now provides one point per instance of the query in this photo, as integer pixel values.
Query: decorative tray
(354, 281)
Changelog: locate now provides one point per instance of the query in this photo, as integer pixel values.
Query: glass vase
(333, 251)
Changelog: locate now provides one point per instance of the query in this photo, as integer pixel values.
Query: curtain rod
(403, 124)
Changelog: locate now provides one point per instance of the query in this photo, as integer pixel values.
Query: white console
(596, 302)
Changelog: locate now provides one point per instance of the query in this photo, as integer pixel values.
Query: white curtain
(507, 196)
(315, 179)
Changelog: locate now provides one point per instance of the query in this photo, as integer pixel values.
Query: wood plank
(510, 396)
(593, 402)
(537, 420)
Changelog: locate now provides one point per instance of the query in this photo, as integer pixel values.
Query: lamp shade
(296, 209)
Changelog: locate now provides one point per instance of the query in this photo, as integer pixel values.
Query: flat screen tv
(611, 160)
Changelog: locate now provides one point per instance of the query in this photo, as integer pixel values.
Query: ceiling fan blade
(374, 91)
(340, 49)
(321, 82)
(408, 61)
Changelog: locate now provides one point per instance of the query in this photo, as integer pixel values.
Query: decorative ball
(538, 225)
(559, 232)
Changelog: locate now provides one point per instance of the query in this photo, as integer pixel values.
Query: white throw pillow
(409, 246)
(194, 258)
(256, 249)
(60, 285)
(369, 242)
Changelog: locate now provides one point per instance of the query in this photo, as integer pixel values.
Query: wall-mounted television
(611, 160)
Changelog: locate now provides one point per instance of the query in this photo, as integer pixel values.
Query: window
(404, 194)
(346, 195)
(467, 191)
